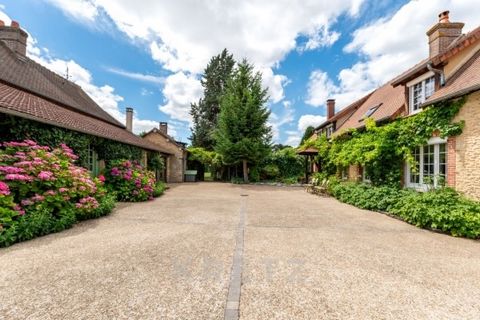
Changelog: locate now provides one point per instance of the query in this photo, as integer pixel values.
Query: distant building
(175, 153)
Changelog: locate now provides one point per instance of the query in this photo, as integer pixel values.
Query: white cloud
(275, 84)
(319, 88)
(320, 38)
(180, 90)
(306, 120)
(104, 96)
(84, 10)
(309, 120)
(137, 76)
(183, 35)
(277, 120)
(4, 17)
(293, 140)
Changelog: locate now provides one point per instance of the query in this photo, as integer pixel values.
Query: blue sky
(150, 56)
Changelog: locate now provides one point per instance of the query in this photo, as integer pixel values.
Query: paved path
(297, 256)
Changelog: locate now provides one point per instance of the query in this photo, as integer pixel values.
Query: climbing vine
(381, 150)
(18, 129)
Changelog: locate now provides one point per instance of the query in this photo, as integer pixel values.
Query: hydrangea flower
(4, 189)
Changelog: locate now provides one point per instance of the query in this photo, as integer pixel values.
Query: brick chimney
(163, 126)
(129, 122)
(330, 108)
(441, 35)
(14, 37)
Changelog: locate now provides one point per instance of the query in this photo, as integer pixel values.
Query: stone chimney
(14, 37)
(441, 35)
(129, 122)
(330, 108)
(163, 126)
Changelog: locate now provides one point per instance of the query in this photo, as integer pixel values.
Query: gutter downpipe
(437, 71)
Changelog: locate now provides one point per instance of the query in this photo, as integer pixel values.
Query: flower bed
(131, 182)
(43, 191)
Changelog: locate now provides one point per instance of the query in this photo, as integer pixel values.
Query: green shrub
(441, 209)
(159, 189)
(282, 164)
(271, 171)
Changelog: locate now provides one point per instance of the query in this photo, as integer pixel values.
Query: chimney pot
(129, 122)
(330, 108)
(442, 34)
(163, 126)
(443, 17)
(14, 37)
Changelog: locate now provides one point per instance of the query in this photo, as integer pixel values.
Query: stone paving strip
(297, 256)
(234, 289)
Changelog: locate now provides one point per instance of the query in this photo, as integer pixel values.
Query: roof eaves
(452, 95)
(147, 145)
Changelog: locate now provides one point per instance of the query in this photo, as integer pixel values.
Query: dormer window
(329, 130)
(421, 91)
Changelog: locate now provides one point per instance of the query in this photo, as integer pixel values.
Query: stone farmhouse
(451, 70)
(32, 92)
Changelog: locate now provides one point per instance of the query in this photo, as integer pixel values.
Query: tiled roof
(412, 72)
(388, 100)
(24, 73)
(465, 80)
(24, 104)
(344, 112)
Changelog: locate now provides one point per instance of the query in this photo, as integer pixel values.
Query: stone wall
(175, 163)
(467, 150)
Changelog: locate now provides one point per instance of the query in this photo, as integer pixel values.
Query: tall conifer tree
(243, 135)
(205, 111)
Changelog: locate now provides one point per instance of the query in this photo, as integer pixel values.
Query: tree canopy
(205, 111)
(308, 133)
(242, 135)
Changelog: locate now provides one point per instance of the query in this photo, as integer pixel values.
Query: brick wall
(354, 173)
(175, 161)
(466, 178)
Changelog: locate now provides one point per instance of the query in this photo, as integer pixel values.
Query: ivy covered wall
(17, 129)
(382, 150)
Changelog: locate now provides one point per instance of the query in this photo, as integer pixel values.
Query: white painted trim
(436, 140)
(421, 186)
(420, 78)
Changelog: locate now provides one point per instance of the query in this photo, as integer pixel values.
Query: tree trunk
(245, 171)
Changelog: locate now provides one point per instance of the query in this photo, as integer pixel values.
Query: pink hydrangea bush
(35, 179)
(130, 181)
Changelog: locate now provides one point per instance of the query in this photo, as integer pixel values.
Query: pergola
(310, 165)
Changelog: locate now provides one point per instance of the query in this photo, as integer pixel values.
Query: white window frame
(365, 178)
(410, 85)
(421, 186)
(329, 130)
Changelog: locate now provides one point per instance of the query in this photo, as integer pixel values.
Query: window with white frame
(329, 130)
(430, 167)
(421, 91)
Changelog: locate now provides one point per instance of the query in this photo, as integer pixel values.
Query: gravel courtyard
(297, 256)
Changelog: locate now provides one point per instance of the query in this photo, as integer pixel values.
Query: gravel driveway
(296, 256)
